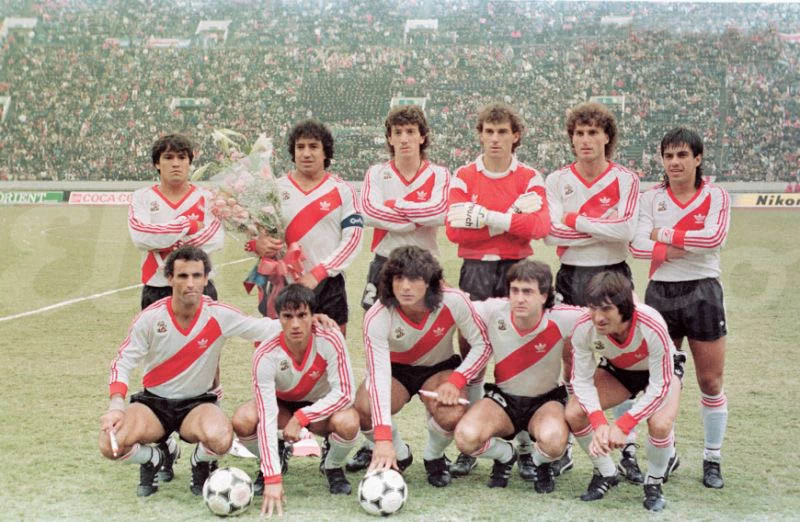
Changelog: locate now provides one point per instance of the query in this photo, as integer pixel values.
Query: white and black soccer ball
(228, 492)
(382, 493)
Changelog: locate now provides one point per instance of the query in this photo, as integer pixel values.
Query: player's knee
(219, 438)
(468, 437)
(243, 424)
(576, 418)
(710, 383)
(660, 426)
(346, 423)
(552, 439)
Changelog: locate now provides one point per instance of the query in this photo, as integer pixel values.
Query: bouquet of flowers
(247, 202)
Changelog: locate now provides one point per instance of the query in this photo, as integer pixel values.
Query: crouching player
(636, 355)
(179, 339)
(408, 340)
(528, 337)
(302, 378)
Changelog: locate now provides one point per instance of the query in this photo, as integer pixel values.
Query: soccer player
(636, 355)
(163, 217)
(179, 340)
(529, 337)
(496, 206)
(593, 210)
(302, 379)
(683, 224)
(321, 215)
(408, 341)
(405, 200)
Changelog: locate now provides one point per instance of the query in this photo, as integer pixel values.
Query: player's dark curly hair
(500, 113)
(611, 288)
(532, 271)
(408, 115)
(592, 113)
(412, 262)
(187, 253)
(312, 129)
(172, 143)
(683, 136)
(294, 297)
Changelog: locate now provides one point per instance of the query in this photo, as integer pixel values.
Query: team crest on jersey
(605, 201)
(314, 374)
(501, 325)
(639, 355)
(161, 327)
(662, 206)
(324, 205)
(387, 174)
(568, 190)
(202, 344)
(193, 216)
(154, 206)
(285, 196)
(421, 195)
(699, 218)
(438, 331)
(540, 347)
(399, 333)
(599, 346)
(284, 365)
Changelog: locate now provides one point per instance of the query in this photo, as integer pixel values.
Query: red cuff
(678, 238)
(626, 423)
(319, 272)
(301, 417)
(598, 418)
(457, 379)
(193, 226)
(389, 203)
(570, 219)
(118, 387)
(273, 479)
(382, 433)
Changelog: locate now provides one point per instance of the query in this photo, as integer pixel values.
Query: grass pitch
(55, 372)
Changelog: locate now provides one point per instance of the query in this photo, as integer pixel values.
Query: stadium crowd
(90, 89)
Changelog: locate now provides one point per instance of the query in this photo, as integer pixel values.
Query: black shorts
(331, 299)
(637, 381)
(171, 412)
(485, 279)
(413, 377)
(521, 409)
(571, 281)
(692, 309)
(370, 295)
(293, 406)
(151, 294)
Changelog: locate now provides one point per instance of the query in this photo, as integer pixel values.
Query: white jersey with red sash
(405, 212)
(699, 226)
(498, 192)
(390, 337)
(648, 348)
(601, 215)
(181, 363)
(325, 222)
(324, 378)
(527, 363)
(158, 226)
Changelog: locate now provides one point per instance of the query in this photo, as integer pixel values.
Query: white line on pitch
(69, 302)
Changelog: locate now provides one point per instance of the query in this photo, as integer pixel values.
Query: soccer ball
(228, 492)
(382, 492)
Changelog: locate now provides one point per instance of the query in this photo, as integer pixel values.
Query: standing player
(408, 340)
(529, 337)
(162, 218)
(682, 227)
(173, 213)
(302, 378)
(405, 200)
(497, 205)
(179, 339)
(636, 355)
(593, 209)
(322, 217)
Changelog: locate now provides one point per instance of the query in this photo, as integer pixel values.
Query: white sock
(714, 409)
(524, 443)
(251, 443)
(338, 449)
(438, 440)
(142, 454)
(496, 449)
(658, 452)
(203, 454)
(400, 447)
(603, 463)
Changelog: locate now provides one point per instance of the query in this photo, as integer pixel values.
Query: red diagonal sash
(694, 220)
(626, 360)
(307, 381)
(528, 354)
(196, 211)
(426, 343)
(597, 206)
(311, 215)
(185, 357)
(418, 195)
